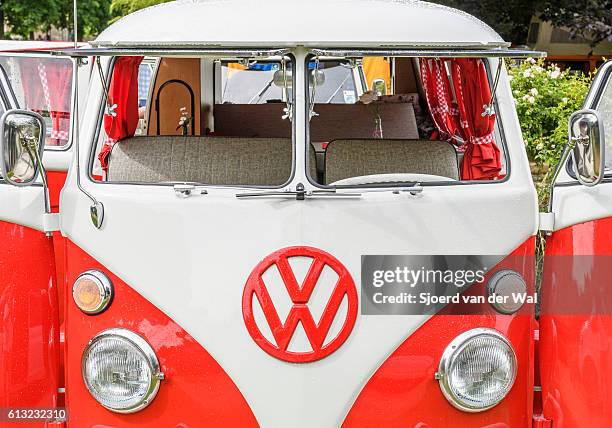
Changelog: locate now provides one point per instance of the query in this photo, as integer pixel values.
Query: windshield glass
(159, 125)
(262, 82)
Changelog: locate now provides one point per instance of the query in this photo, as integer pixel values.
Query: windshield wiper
(262, 92)
(299, 194)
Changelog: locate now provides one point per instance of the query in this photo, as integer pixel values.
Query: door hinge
(51, 222)
(547, 222)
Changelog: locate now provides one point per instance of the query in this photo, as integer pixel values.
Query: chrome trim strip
(435, 53)
(240, 53)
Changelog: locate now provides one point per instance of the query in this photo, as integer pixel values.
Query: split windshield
(373, 121)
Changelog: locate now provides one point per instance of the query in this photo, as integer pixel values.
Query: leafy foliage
(510, 18)
(120, 8)
(93, 16)
(591, 19)
(25, 17)
(545, 98)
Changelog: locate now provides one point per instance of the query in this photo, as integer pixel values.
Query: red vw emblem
(317, 331)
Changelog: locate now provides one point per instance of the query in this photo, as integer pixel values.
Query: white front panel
(24, 206)
(575, 204)
(191, 258)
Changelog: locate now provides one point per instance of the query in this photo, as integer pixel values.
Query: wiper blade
(299, 194)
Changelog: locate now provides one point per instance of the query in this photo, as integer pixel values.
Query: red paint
(56, 180)
(575, 348)
(196, 391)
(300, 313)
(403, 391)
(29, 324)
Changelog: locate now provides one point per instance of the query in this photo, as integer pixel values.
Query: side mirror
(22, 137)
(588, 154)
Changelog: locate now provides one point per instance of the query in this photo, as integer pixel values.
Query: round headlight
(92, 292)
(121, 370)
(477, 370)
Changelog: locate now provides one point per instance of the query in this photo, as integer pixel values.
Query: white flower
(565, 100)
(538, 69)
(540, 146)
(555, 73)
(527, 73)
(529, 98)
(531, 60)
(552, 146)
(534, 92)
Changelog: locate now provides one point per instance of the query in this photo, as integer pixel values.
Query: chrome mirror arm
(96, 210)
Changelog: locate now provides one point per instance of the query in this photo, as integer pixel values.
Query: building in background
(576, 53)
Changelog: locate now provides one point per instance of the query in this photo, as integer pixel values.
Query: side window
(43, 85)
(253, 83)
(146, 74)
(262, 82)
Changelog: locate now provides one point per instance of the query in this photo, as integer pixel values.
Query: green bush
(545, 98)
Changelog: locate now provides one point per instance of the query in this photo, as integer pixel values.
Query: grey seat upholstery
(354, 158)
(210, 160)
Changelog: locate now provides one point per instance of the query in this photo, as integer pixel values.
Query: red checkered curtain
(121, 116)
(47, 88)
(481, 160)
(56, 80)
(444, 113)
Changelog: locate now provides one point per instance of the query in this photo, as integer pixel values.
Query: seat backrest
(354, 158)
(334, 121)
(210, 160)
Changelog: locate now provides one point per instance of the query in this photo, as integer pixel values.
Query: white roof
(311, 23)
(32, 45)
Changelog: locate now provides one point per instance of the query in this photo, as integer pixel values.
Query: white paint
(191, 257)
(320, 23)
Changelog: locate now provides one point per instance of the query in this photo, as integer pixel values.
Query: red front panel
(29, 327)
(403, 391)
(576, 327)
(196, 391)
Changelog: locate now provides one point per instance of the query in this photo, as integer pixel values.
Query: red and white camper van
(241, 211)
